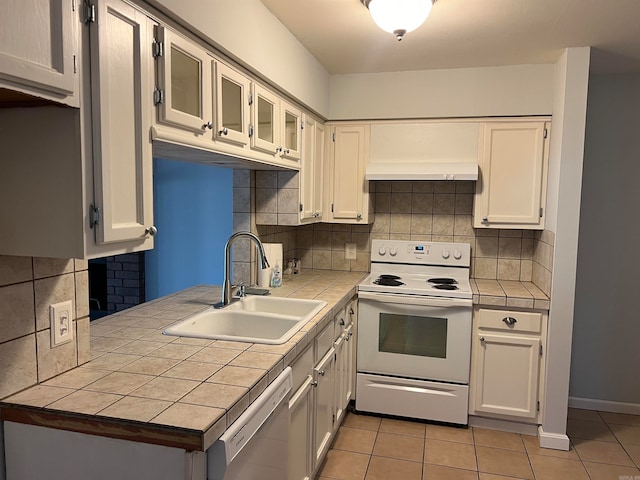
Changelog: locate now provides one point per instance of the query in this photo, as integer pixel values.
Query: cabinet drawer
(324, 341)
(525, 322)
(302, 367)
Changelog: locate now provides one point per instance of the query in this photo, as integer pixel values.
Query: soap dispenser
(276, 278)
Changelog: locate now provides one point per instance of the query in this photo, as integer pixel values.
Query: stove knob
(457, 254)
(393, 251)
(382, 251)
(445, 253)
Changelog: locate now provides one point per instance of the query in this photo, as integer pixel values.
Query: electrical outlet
(350, 251)
(61, 319)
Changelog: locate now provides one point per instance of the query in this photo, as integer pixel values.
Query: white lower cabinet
(317, 407)
(507, 362)
(325, 375)
(300, 439)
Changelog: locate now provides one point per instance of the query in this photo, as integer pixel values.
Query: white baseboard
(604, 405)
(555, 441)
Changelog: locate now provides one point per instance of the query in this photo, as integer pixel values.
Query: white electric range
(414, 331)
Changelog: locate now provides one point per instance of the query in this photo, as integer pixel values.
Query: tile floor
(604, 446)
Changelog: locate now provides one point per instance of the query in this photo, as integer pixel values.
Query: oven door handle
(416, 300)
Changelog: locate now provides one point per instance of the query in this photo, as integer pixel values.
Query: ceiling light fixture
(399, 16)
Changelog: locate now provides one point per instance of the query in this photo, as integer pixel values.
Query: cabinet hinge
(333, 136)
(541, 212)
(332, 208)
(301, 124)
(544, 134)
(538, 406)
(89, 13)
(94, 216)
(157, 49)
(73, 5)
(250, 99)
(540, 350)
(250, 131)
(333, 418)
(75, 64)
(158, 96)
(300, 207)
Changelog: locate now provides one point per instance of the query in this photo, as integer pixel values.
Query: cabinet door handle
(342, 322)
(359, 216)
(482, 339)
(152, 230)
(351, 312)
(314, 383)
(224, 131)
(287, 151)
(509, 321)
(321, 373)
(279, 149)
(485, 219)
(208, 125)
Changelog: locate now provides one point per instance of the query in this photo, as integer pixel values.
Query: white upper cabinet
(276, 125)
(184, 83)
(38, 48)
(290, 131)
(231, 105)
(84, 189)
(121, 94)
(348, 155)
(311, 171)
(511, 189)
(265, 119)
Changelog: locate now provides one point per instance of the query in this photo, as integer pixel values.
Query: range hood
(423, 171)
(424, 151)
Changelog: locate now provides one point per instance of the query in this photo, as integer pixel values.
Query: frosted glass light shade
(399, 16)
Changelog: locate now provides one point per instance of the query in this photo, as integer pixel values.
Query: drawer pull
(509, 321)
(482, 339)
(321, 373)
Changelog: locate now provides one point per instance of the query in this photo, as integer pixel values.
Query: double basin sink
(255, 319)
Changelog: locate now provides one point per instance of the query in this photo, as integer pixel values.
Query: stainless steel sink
(269, 320)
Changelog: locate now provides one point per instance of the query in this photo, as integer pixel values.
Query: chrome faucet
(226, 287)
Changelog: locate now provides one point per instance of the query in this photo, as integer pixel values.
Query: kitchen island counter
(179, 392)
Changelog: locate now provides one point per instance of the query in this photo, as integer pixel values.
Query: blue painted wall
(194, 215)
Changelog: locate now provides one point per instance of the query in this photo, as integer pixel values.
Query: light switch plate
(350, 251)
(61, 319)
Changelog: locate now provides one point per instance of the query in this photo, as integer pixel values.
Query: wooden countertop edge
(105, 427)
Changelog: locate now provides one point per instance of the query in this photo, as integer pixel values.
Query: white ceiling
(467, 33)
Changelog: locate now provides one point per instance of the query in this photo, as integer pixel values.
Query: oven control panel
(424, 253)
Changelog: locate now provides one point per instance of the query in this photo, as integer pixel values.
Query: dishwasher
(256, 445)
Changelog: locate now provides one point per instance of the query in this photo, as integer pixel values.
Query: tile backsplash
(405, 210)
(28, 285)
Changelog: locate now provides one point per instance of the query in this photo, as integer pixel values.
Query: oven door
(414, 336)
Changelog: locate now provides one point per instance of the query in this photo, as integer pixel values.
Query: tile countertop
(510, 293)
(181, 392)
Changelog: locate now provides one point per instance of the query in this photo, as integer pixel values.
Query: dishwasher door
(256, 445)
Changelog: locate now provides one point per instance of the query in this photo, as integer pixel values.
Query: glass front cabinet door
(232, 105)
(290, 131)
(184, 78)
(265, 110)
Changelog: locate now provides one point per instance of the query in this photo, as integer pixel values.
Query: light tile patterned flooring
(604, 446)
